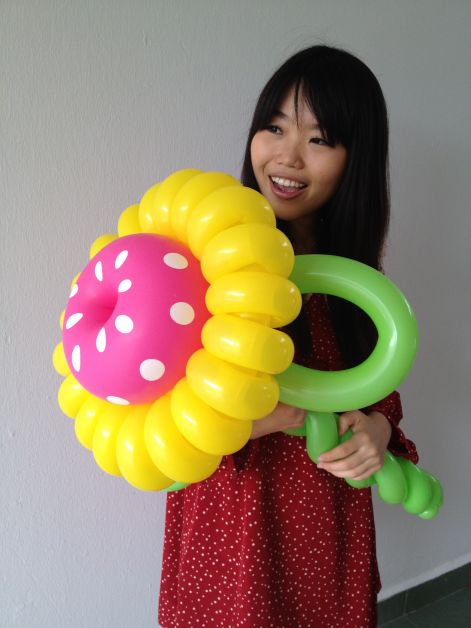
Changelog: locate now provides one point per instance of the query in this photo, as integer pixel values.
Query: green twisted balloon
(325, 393)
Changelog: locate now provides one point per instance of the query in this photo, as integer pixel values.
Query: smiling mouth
(287, 183)
(286, 188)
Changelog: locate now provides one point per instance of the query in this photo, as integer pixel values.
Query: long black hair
(346, 98)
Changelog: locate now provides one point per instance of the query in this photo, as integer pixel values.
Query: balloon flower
(171, 348)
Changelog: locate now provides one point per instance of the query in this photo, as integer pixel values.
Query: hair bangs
(325, 101)
(322, 94)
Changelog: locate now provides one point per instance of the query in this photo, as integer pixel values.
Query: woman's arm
(358, 458)
(355, 459)
(282, 418)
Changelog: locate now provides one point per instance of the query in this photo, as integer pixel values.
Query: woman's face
(296, 169)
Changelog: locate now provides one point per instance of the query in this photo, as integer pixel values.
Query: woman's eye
(272, 128)
(320, 141)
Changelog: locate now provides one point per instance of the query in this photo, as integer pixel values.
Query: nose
(289, 154)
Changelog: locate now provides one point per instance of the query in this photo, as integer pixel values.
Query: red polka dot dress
(270, 540)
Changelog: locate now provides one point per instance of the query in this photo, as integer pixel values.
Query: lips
(286, 188)
(287, 182)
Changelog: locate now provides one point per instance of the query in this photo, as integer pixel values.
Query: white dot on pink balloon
(76, 358)
(99, 271)
(175, 260)
(120, 259)
(151, 370)
(125, 285)
(73, 320)
(101, 340)
(124, 324)
(182, 313)
(119, 401)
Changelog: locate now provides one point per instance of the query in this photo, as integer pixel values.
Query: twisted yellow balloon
(182, 436)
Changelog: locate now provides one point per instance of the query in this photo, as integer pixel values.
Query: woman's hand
(363, 454)
(282, 418)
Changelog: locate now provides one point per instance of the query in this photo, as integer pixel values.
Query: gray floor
(453, 611)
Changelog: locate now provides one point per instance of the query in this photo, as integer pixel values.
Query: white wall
(102, 99)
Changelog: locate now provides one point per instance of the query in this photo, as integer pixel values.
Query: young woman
(271, 539)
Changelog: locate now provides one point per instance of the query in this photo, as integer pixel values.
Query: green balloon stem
(321, 433)
(392, 487)
(296, 431)
(436, 501)
(176, 486)
(399, 480)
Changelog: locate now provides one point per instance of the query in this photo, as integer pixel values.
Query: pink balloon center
(134, 318)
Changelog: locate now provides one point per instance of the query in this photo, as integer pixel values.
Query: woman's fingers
(342, 465)
(347, 420)
(352, 459)
(362, 454)
(340, 452)
(359, 471)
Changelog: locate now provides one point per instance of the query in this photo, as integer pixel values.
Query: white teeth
(287, 183)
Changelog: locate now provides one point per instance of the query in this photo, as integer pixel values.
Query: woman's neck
(302, 235)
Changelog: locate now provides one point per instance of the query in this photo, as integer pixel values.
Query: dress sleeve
(399, 445)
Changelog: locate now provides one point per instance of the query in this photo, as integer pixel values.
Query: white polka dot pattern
(152, 370)
(99, 271)
(175, 260)
(124, 324)
(101, 340)
(76, 358)
(150, 289)
(119, 401)
(125, 285)
(120, 259)
(182, 313)
(270, 540)
(73, 320)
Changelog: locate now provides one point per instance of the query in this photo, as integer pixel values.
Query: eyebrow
(279, 114)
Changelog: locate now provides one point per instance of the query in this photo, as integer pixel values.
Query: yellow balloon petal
(191, 193)
(230, 389)
(128, 222)
(182, 436)
(163, 197)
(146, 210)
(252, 246)
(133, 459)
(257, 293)
(248, 344)
(71, 396)
(59, 361)
(204, 427)
(100, 243)
(105, 437)
(155, 206)
(170, 451)
(74, 280)
(225, 208)
(87, 419)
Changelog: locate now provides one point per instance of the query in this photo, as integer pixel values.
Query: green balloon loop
(392, 357)
(324, 393)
